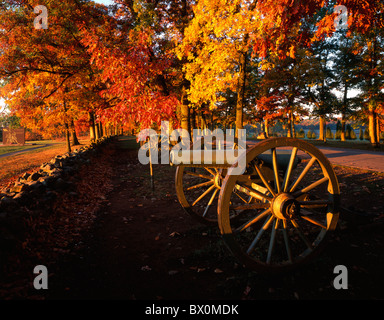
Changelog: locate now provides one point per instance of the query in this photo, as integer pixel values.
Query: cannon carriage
(273, 215)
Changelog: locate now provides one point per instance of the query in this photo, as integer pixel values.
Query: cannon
(276, 214)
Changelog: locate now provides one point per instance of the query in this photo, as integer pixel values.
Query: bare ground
(117, 239)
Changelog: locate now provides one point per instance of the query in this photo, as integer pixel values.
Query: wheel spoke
(251, 206)
(275, 170)
(260, 233)
(272, 240)
(262, 177)
(289, 169)
(302, 175)
(203, 184)
(198, 175)
(210, 171)
(252, 192)
(302, 236)
(210, 202)
(310, 187)
(313, 221)
(286, 242)
(240, 196)
(203, 194)
(253, 221)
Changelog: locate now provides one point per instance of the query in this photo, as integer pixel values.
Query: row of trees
(193, 63)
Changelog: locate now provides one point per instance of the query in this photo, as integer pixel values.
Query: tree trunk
(240, 92)
(97, 131)
(67, 137)
(184, 110)
(293, 125)
(92, 133)
(189, 121)
(101, 129)
(67, 134)
(321, 128)
(343, 122)
(289, 118)
(374, 94)
(377, 128)
(203, 122)
(266, 128)
(344, 109)
(193, 119)
(75, 141)
(372, 127)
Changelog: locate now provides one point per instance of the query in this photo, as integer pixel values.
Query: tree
(135, 52)
(283, 81)
(345, 68)
(320, 83)
(301, 133)
(329, 134)
(47, 71)
(224, 36)
(371, 80)
(364, 22)
(366, 134)
(361, 136)
(144, 61)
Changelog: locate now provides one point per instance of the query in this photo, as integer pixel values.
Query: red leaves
(131, 70)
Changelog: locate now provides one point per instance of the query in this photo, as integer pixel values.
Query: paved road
(24, 150)
(361, 159)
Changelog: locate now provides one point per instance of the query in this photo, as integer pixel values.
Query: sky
(105, 2)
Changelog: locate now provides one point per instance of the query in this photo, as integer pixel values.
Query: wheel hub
(284, 206)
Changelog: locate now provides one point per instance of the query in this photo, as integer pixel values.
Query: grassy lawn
(13, 166)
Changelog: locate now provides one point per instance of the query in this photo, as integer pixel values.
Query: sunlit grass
(28, 145)
(13, 166)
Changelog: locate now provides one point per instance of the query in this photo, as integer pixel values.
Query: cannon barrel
(224, 158)
(204, 158)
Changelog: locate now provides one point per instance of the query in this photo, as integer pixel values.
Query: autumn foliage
(194, 63)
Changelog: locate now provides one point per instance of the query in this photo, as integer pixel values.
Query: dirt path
(143, 246)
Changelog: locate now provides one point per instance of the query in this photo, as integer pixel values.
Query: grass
(28, 145)
(13, 166)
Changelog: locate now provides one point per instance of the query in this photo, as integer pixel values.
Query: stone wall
(39, 189)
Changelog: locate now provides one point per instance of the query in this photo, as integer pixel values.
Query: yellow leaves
(266, 65)
(211, 44)
(291, 52)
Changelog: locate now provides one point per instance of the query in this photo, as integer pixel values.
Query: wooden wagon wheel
(198, 187)
(300, 205)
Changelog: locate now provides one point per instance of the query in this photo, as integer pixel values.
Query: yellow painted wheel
(286, 207)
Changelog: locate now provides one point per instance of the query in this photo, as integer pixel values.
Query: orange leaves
(292, 51)
(44, 69)
(135, 74)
